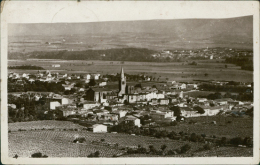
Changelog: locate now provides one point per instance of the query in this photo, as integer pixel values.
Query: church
(126, 93)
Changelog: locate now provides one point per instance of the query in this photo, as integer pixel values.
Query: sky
(93, 11)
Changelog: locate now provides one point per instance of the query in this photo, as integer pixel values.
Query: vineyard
(56, 139)
(60, 143)
(225, 126)
(45, 124)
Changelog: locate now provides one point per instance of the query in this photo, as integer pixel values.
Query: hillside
(151, 34)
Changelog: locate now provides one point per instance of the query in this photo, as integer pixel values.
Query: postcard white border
(62, 11)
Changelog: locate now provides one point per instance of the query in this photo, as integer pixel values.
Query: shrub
(236, 141)
(130, 151)
(163, 147)
(193, 137)
(80, 140)
(173, 123)
(185, 148)
(207, 147)
(102, 140)
(38, 155)
(203, 135)
(15, 156)
(248, 141)
(171, 152)
(95, 154)
(152, 149)
(141, 150)
(223, 141)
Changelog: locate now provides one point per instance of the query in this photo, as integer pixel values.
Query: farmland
(225, 127)
(48, 124)
(177, 71)
(55, 139)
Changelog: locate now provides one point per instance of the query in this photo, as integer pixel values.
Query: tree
(79, 84)
(163, 147)
(138, 86)
(199, 109)
(176, 110)
(96, 154)
(193, 137)
(185, 148)
(206, 74)
(152, 149)
(92, 82)
(225, 66)
(154, 86)
(38, 155)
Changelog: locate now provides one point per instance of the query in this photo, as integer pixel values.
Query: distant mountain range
(151, 34)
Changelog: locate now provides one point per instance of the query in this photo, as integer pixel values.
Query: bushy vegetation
(79, 140)
(37, 86)
(94, 155)
(28, 109)
(27, 67)
(224, 88)
(245, 93)
(246, 63)
(38, 155)
(123, 54)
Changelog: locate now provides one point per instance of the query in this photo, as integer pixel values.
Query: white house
(99, 128)
(182, 86)
(88, 76)
(31, 80)
(120, 113)
(25, 75)
(102, 84)
(54, 104)
(89, 105)
(56, 65)
(81, 89)
(132, 119)
(96, 76)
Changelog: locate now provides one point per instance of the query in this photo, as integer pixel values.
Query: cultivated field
(239, 127)
(59, 142)
(173, 71)
(46, 124)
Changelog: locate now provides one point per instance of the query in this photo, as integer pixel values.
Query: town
(111, 104)
(147, 88)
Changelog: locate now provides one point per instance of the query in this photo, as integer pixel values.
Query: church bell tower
(122, 83)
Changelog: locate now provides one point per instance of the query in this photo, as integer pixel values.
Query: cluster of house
(100, 107)
(208, 53)
(47, 76)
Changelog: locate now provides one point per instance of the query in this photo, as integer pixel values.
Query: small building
(99, 128)
(102, 84)
(163, 101)
(90, 104)
(55, 65)
(54, 104)
(132, 119)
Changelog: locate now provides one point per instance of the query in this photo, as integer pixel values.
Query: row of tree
(246, 63)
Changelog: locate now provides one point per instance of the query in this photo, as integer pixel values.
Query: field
(239, 127)
(59, 143)
(46, 124)
(173, 71)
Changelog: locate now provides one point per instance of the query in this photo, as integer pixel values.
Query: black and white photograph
(134, 79)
